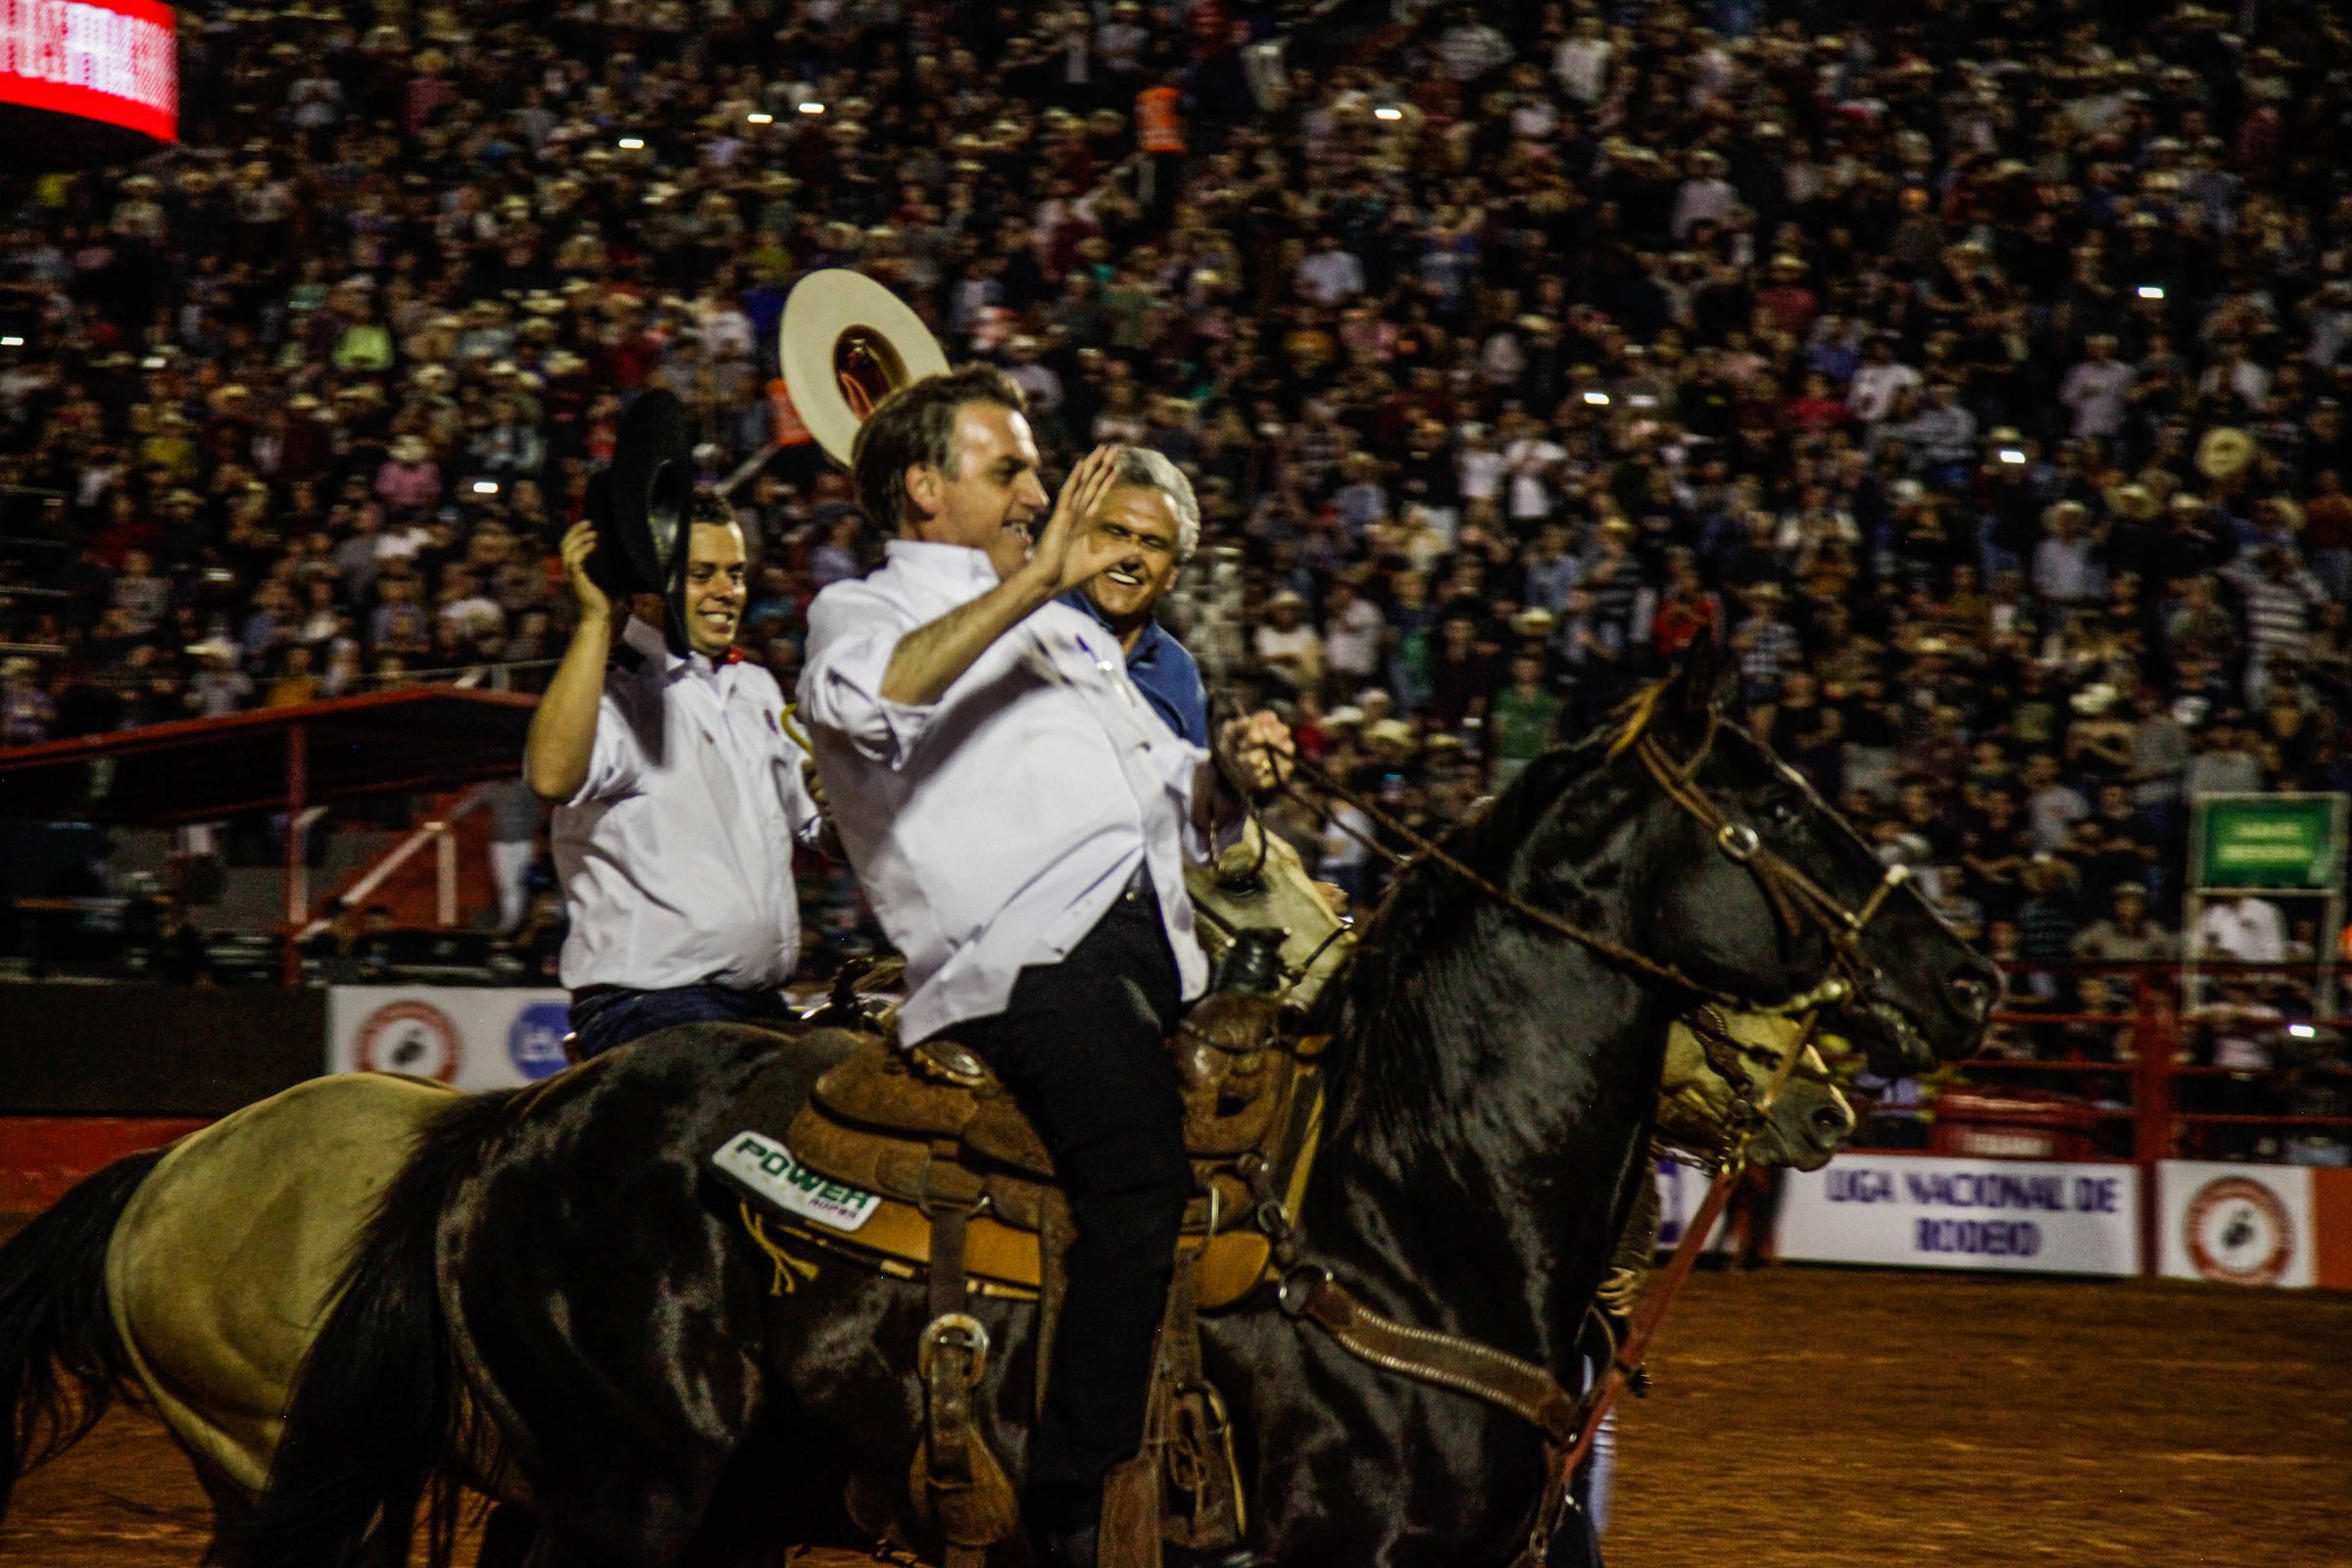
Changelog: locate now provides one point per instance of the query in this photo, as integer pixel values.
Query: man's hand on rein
(1259, 749)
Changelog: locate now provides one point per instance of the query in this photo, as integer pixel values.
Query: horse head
(1765, 896)
(1718, 1067)
(1260, 883)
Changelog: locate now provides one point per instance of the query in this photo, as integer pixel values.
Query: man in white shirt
(1880, 380)
(1478, 470)
(1531, 460)
(1355, 635)
(1330, 275)
(1582, 62)
(1472, 47)
(2095, 388)
(1705, 196)
(682, 796)
(1287, 645)
(1014, 810)
(1038, 382)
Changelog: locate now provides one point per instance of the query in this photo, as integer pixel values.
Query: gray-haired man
(1151, 516)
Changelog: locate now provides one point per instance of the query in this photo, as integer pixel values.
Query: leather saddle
(929, 1126)
(916, 1159)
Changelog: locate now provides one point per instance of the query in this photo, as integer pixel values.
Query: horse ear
(1709, 680)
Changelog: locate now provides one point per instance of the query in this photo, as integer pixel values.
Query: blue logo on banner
(535, 1041)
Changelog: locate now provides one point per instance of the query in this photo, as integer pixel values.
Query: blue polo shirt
(1164, 670)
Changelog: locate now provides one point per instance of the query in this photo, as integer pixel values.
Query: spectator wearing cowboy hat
(361, 290)
(1287, 645)
(2125, 934)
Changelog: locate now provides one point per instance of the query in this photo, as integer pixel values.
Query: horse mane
(1402, 1015)
(1635, 714)
(1423, 895)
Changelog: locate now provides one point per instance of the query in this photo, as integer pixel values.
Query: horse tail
(373, 1431)
(61, 1361)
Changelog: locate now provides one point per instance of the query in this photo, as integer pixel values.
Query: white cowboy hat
(832, 317)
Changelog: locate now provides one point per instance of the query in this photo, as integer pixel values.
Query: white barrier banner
(471, 1038)
(1924, 1211)
(1681, 1190)
(2235, 1224)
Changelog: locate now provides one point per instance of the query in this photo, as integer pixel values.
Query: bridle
(1797, 901)
(1570, 1423)
(1730, 1059)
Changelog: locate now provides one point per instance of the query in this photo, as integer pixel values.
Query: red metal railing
(2158, 1034)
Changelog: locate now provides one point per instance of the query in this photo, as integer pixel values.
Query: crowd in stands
(1973, 370)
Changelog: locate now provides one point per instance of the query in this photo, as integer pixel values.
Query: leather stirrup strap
(950, 1456)
(950, 1459)
(1201, 1506)
(1180, 1329)
(1054, 1232)
(949, 1223)
(1134, 1492)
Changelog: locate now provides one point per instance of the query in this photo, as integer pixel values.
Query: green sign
(2277, 841)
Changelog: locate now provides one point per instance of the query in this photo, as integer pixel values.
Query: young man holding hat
(1020, 816)
(682, 795)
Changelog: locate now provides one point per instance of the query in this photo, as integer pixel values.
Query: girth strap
(1465, 1366)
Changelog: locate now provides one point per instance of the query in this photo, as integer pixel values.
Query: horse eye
(1783, 813)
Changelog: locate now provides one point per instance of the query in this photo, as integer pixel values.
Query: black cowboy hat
(643, 505)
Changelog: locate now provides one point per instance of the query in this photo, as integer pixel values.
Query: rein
(1428, 849)
(1570, 1425)
(1529, 1391)
(1795, 899)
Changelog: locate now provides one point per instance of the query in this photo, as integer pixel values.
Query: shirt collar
(650, 641)
(1146, 645)
(945, 564)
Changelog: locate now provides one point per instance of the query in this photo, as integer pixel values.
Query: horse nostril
(1833, 1121)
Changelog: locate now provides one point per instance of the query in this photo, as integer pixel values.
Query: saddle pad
(749, 1155)
(913, 1172)
(1000, 1260)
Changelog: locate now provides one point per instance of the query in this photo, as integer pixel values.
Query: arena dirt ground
(1802, 1417)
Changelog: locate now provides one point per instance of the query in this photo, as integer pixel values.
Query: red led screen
(115, 62)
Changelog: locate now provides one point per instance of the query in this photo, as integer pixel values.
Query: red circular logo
(2239, 1233)
(411, 1037)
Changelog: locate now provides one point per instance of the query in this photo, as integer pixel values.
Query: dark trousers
(605, 1016)
(1083, 1047)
